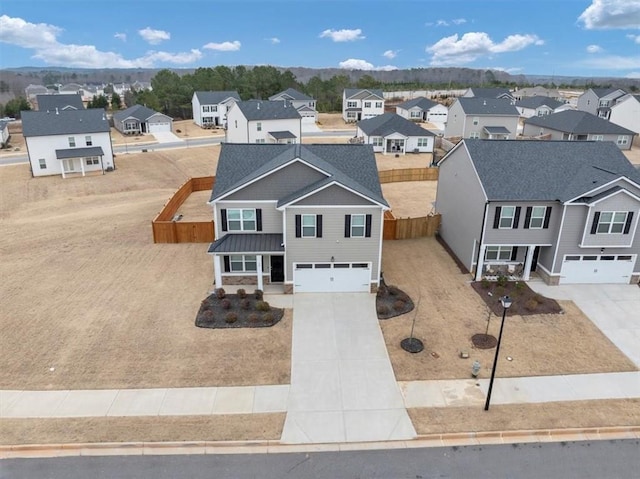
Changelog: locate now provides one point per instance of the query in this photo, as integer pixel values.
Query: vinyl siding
(521, 235)
(271, 218)
(455, 121)
(509, 122)
(618, 202)
(333, 195)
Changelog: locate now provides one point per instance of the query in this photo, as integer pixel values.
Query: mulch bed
(525, 300)
(392, 301)
(241, 310)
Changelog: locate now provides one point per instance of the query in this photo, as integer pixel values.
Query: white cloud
(224, 46)
(454, 50)
(635, 38)
(446, 23)
(511, 70)
(16, 31)
(458, 21)
(442, 23)
(343, 35)
(390, 54)
(594, 49)
(633, 75)
(612, 62)
(607, 14)
(154, 36)
(274, 40)
(121, 36)
(356, 64)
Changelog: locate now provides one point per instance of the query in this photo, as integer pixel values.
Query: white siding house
(423, 109)
(257, 121)
(305, 105)
(626, 113)
(210, 107)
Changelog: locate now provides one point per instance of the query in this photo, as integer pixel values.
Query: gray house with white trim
(389, 133)
(486, 118)
(566, 211)
(210, 108)
(306, 217)
(139, 119)
(305, 105)
(59, 102)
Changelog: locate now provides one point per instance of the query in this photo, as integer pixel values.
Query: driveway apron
(343, 388)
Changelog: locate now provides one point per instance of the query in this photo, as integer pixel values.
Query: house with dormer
(361, 104)
(598, 101)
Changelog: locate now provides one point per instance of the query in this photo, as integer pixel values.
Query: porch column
(62, 169)
(480, 265)
(82, 166)
(527, 263)
(259, 271)
(217, 270)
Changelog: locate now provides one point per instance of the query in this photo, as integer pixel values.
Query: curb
(276, 447)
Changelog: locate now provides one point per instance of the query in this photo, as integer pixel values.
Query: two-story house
(485, 118)
(537, 106)
(210, 107)
(626, 112)
(422, 109)
(391, 134)
(59, 102)
(598, 101)
(257, 121)
(567, 211)
(575, 125)
(68, 143)
(500, 93)
(307, 217)
(361, 104)
(305, 105)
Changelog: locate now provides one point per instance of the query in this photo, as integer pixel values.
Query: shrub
(502, 280)
(220, 293)
(258, 294)
(231, 317)
(268, 318)
(263, 306)
(254, 317)
(485, 283)
(399, 305)
(225, 304)
(245, 304)
(207, 316)
(382, 291)
(531, 305)
(383, 310)
(519, 286)
(242, 293)
(392, 290)
(205, 305)
(538, 298)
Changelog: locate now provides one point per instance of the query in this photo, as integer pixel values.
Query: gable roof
(351, 165)
(61, 102)
(267, 110)
(487, 106)
(600, 92)
(351, 92)
(538, 101)
(388, 123)
(215, 97)
(532, 170)
(66, 122)
(421, 102)
(292, 94)
(579, 122)
(139, 112)
(489, 92)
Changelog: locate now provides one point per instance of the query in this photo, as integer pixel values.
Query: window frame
(535, 217)
(367, 104)
(363, 226)
(352, 104)
(308, 227)
(378, 104)
(611, 222)
(88, 141)
(623, 140)
(243, 260)
(242, 219)
(42, 162)
(423, 142)
(476, 120)
(259, 126)
(499, 250)
(72, 141)
(505, 217)
(377, 141)
(91, 160)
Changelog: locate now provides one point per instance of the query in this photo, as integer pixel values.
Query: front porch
(80, 161)
(515, 262)
(496, 133)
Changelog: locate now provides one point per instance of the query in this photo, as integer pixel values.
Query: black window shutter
(627, 225)
(258, 219)
(514, 253)
(223, 214)
(227, 265)
(367, 229)
(318, 226)
(516, 218)
(547, 217)
(496, 218)
(594, 225)
(527, 217)
(347, 226)
(298, 226)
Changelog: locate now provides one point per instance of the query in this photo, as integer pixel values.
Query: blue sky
(590, 38)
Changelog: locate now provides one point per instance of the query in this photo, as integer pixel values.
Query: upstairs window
(72, 142)
(259, 126)
(612, 222)
(378, 104)
(308, 226)
(537, 217)
(367, 104)
(352, 104)
(241, 219)
(476, 120)
(88, 141)
(506, 217)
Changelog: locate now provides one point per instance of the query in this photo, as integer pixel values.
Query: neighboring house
(598, 101)
(32, 91)
(141, 85)
(139, 119)
(305, 105)
(70, 142)
(575, 125)
(567, 211)
(71, 89)
(358, 104)
(626, 112)
(257, 121)
(538, 90)
(210, 107)
(4, 133)
(390, 133)
(500, 93)
(59, 102)
(486, 118)
(537, 106)
(423, 109)
(309, 217)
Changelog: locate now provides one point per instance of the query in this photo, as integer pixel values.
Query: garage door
(590, 269)
(159, 127)
(331, 277)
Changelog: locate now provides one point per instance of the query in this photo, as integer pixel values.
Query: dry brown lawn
(633, 155)
(333, 121)
(411, 198)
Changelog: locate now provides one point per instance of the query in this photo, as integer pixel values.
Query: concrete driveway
(343, 388)
(614, 308)
(167, 137)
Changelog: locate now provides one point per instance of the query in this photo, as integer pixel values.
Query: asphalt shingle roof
(421, 102)
(538, 101)
(352, 165)
(388, 123)
(139, 112)
(51, 102)
(42, 123)
(487, 106)
(349, 92)
(79, 152)
(215, 97)
(532, 170)
(256, 110)
(248, 243)
(489, 92)
(579, 122)
(293, 94)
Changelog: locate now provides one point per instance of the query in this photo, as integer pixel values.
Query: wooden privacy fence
(408, 174)
(408, 228)
(168, 229)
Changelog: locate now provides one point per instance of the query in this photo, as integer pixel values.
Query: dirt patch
(241, 310)
(410, 199)
(392, 301)
(524, 301)
(333, 121)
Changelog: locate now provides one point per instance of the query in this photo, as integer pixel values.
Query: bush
(258, 294)
(225, 304)
(392, 290)
(502, 280)
(263, 306)
(383, 310)
(207, 316)
(245, 304)
(485, 283)
(231, 317)
(519, 286)
(399, 305)
(242, 293)
(220, 293)
(254, 317)
(268, 318)
(531, 305)
(205, 305)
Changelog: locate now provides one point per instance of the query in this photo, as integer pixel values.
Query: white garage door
(159, 127)
(590, 269)
(331, 277)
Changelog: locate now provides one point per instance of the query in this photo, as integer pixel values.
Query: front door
(277, 269)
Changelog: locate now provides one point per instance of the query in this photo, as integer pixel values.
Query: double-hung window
(377, 141)
(378, 104)
(242, 263)
(259, 126)
(88, 141)
(623, 140)
(507, 217)
(538, 214)
(367, 104)
(423, 142)
(72, 142)
(498, 253)
(611, 222)
(357, 226)
(308, 226)
(241, 219)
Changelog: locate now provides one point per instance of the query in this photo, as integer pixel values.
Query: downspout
(480, 243)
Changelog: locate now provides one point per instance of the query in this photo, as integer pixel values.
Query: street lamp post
(506, 303)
